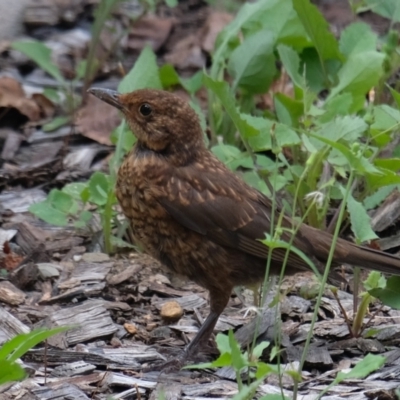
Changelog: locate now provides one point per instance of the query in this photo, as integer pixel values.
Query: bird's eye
(145, 109)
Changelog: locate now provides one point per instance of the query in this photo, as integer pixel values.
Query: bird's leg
(218, 300)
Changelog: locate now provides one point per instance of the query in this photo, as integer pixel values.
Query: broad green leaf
(252, 64)
(144, 73)
(10, 372)
(359, 74)
(385, 118)
(99, 187)
(221, 90)
(232, 157)
(318, 30)
(41, 55)
(360, 220)
(288, 110)
(392, 164)
(74, 189)
(348, 128)
(168, 76)
(45, 211)
(339, 105)
(374, 280)
(249, 13)
(357, 38)
(291, 61)
(283, 135)
(62, 201)
(223, 344)
(194, 83)
(389, 295)
(387, 8)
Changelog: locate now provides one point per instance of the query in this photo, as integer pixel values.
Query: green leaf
(10, 372)
(360, 220)
(56, 123)
(359, 74)
(258, 350)
(62, 201)
(288, 110)
(363, 368)
(144, 73)
(48, 213)
(357, 38)
(380, 195)
(247, 392)
(74, 189)
(223, 343)
(238, 359)
(283, 135)
(221, 90)
(20, 344)
(389, 295)
(252, 64)
(41, 55)
(387, 8)
(274, 397)
(168, 76)
(99, 187)
(396, 95)
(194, 83)
(291, 61)
(374, 280)
(317, 29)
(171, 3)
(123, 132)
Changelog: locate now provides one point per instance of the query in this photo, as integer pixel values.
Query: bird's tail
(350, 253)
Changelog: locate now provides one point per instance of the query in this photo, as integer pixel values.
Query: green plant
(15, 348)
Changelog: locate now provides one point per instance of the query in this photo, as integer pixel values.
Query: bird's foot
(173, 365)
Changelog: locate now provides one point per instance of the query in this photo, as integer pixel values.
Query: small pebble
(171, 310)
(130, 328)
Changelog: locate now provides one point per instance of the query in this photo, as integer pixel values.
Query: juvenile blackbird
(197, 217)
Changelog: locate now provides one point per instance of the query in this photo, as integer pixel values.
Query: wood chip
(10, 294)
(92, 321)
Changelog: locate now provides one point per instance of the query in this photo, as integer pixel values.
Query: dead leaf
(150, 30)
(187, 53)
(214, 24)
(46, 106)
(97, 119)
(12, 95)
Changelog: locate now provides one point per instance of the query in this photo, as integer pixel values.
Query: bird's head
(161, 121)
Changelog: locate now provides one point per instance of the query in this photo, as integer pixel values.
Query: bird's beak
(109, 96)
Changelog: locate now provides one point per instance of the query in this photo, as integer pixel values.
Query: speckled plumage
(196, 216)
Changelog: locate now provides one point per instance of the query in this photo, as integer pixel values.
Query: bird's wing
(226, 210)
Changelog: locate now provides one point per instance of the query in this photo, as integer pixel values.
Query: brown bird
(197, 217)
